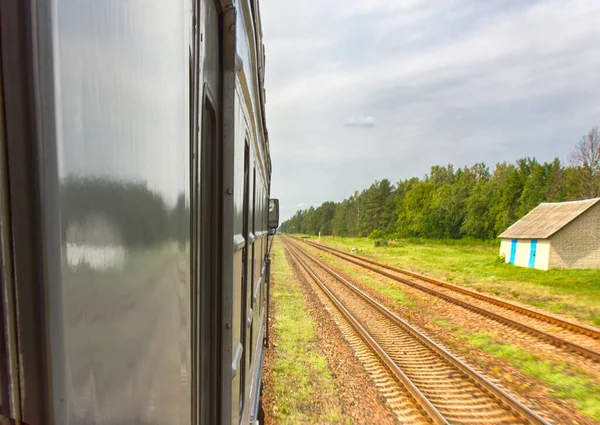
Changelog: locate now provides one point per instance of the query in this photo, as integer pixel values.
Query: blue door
(532, 252)
(513, 251)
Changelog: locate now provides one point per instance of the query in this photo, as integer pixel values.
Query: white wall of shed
(542, 256)
(524, 250)
(505, 245)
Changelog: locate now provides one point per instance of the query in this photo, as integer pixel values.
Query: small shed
(555, 235)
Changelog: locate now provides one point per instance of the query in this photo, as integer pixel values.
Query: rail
(480, 381)
(545, 336)
(585, 330)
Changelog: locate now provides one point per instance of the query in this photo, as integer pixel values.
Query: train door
(207, 216)
(21, 315)
(253, 272)
(18, 324)
(245, 334)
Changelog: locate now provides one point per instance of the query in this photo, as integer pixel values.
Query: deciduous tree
(586, 156)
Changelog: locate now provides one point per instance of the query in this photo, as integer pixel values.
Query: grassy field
(300, 385)
(564, 380)
(477, 265)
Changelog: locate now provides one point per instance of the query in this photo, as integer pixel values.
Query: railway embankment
(476, 265)
(562, 384)
(310, 376)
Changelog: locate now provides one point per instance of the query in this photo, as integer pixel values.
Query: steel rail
(504, 398)
(547, 337)
(400, 376)
(575, 327)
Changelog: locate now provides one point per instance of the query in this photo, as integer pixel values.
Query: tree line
(451, 202)
(140, 216)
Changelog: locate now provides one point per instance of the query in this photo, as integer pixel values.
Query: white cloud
(360, 122)
(449, 81)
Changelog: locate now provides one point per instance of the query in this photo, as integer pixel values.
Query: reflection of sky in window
(123, 97)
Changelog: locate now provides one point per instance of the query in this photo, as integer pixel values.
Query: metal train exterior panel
(135, 177)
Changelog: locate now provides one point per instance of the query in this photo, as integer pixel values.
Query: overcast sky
(363, 90)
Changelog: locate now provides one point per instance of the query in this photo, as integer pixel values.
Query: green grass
(299, 371)
(476, 264)
(564, 380)
(390, 289)
(561, 378)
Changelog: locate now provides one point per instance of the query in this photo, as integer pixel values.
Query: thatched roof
(547, 218)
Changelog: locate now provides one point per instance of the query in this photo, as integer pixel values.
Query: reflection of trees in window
(132, 209)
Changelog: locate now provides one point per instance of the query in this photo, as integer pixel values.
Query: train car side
(135, 176)
(251, 194)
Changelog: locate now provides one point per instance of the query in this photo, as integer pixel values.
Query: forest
(450, 202)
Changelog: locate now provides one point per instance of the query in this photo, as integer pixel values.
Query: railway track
(446, 390)
(569, 336)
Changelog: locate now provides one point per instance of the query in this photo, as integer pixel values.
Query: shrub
(376, 234)
(380, 242)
